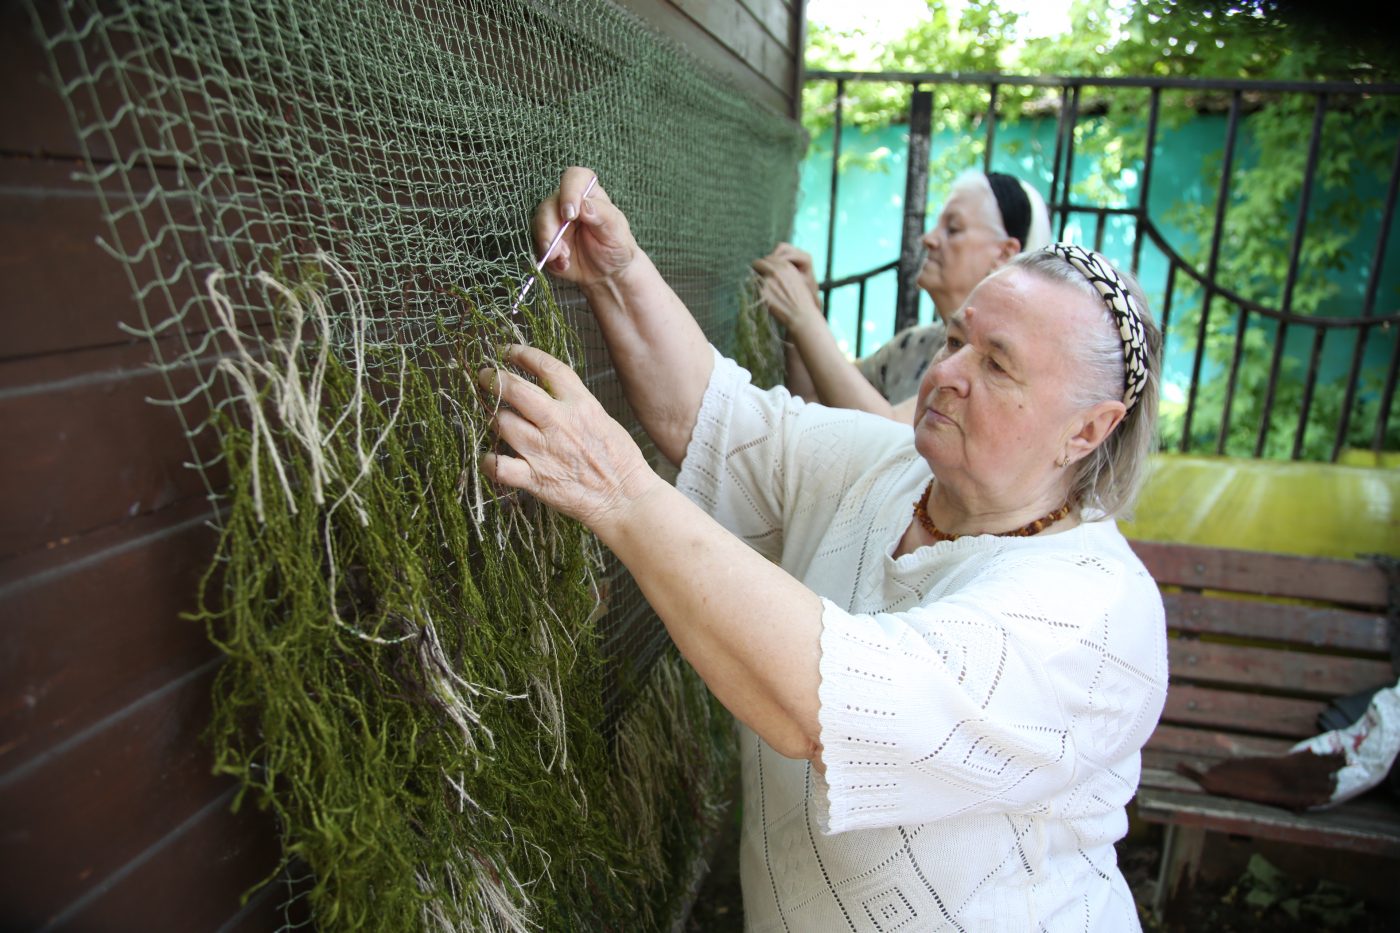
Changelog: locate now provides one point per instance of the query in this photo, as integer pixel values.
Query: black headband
(1014, 205)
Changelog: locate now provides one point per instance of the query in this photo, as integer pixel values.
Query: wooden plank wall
(756, 43)
(111, 819)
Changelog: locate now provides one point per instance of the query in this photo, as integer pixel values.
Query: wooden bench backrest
(1258, 644)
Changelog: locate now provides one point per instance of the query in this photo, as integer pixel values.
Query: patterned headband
(1124, 309)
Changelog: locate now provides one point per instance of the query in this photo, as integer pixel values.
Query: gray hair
(1111, 476)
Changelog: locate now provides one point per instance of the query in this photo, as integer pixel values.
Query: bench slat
(1207, 744)
(1300, 672)
(1343, 629)
(1205, 707)
(1370, 825)
(1161, 778)
(1166, 760)
(1350, 582)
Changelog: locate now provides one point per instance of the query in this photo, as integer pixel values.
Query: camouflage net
(460, 709)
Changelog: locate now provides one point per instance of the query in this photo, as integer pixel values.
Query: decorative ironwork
(1215, 292)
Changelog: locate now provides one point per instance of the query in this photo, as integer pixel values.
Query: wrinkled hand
(598, 246)
(788, 288)
(803, 261)
(569, 453)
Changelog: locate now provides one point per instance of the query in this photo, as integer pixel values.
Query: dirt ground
(1243, 887)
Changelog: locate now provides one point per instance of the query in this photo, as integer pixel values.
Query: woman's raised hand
(598, 245)
(789, 289)
(803, 261)
(568, 452)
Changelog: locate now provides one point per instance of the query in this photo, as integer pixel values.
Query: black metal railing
(1366, 327)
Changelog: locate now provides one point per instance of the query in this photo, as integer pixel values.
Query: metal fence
(1366, 330)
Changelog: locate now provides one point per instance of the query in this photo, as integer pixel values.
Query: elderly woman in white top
(944, 655)
(987, 219)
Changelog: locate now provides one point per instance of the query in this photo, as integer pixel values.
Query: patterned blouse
(896, 368)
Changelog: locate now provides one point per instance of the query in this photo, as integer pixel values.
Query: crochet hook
(548, 252)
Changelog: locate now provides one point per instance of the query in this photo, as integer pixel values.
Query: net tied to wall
(460, 710)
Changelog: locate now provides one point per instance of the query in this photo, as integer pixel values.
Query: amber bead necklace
(1025, 531)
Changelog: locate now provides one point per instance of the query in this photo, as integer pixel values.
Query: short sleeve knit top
(983, 701)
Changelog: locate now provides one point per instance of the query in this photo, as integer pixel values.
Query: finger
(781, 280)
(779, 269)
(763, 266)
(507, 471)
(799, 258)
(512, 428)
(557, 378)
(560, 261)
(518, 392)
(775, 302)
(602, 218)
(545, 222)
(571, 187)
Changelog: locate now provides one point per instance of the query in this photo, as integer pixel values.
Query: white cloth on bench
(1371, 745)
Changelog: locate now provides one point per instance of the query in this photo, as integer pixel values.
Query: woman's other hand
(568, 452)
(817, 368)
(788, 289)
(598, 246)
(803, 261)
(751, 630)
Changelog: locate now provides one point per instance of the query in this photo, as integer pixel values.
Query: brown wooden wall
(757, 43)
(109, 817)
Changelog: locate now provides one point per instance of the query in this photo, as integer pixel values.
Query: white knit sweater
(983, 701)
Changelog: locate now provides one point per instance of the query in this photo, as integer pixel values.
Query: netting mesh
(324, 208)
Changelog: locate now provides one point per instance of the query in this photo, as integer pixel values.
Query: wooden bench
(1259, 643)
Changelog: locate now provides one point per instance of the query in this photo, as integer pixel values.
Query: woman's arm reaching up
(662, 357)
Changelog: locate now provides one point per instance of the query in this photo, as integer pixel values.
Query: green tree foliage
(979, 40)
(1264, 40)
(1246, 39)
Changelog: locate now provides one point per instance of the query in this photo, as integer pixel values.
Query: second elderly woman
(987, 219)
(944, 656)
